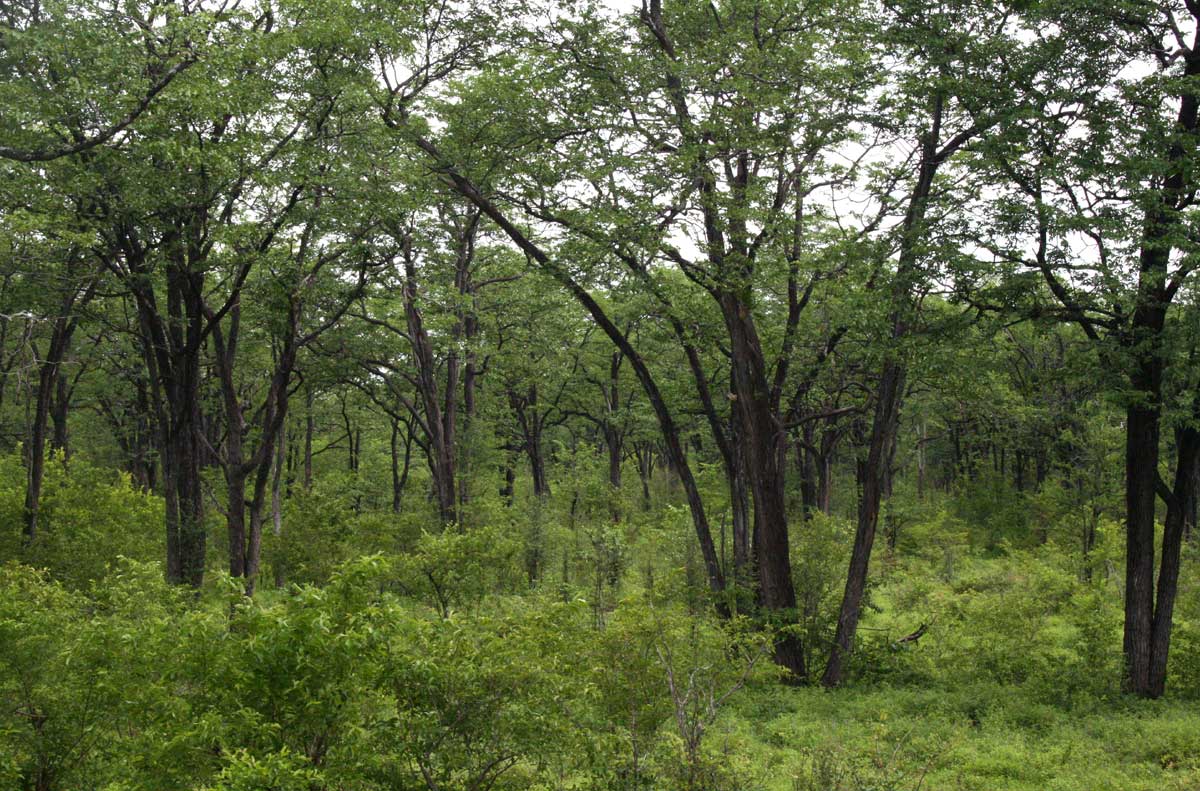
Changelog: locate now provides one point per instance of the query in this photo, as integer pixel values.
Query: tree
(1112, 248)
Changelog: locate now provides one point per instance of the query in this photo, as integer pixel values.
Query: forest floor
(389, 640)
(1011, 687)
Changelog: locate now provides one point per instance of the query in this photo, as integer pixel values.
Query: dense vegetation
(460, 395)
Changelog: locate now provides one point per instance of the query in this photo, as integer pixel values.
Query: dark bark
(309, 421)
(465, 332)
(253, 467)
(808, 473)
(35, 452)
(1145, 646)
(1179, 506)
(59, 411)
(530, 422)
(890, 393)
(49, 381)
(644, 456)
(764, 442)
(510, 479)
(614, 437)
(873, 482)
(281, 455)
(439, 416)
(400, 470)
(666, 421)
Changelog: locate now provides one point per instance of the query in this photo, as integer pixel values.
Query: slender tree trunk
(874, 482)
(885, 424)
(808, 472)
(309, 422)
(644, 455)
(739, 507)
(510, 479)
(281, 456)
(1179, 505)
(440, 417)
(825, 483)
(49, 378)
(399, 471)
(613, 441)
(36, 452)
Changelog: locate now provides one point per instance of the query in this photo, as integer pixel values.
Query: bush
(89, 517)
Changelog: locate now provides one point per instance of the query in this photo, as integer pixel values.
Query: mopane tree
(965, 73)
(691, 138)
(1098, 207)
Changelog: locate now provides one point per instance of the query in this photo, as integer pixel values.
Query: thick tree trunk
(739, 506)
(614, 438)
(763, 439)
(537, 465)
(59, 411)
(186, 537)
(1141, 474)
(172, 349)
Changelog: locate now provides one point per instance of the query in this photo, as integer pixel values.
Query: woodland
(450, 395)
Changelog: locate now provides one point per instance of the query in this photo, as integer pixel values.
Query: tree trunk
(877, 475)
(36, 452)
(439, 417)
(49, 378)
(613, 441)
(643, 454)
(665, 420)
(874, 482)
(763, 439)
(1145, 649)
(281, 456)
(59, 410)
(808, 471)
(399, 472)
(308, 437)
(1179, 506)
(510, 479)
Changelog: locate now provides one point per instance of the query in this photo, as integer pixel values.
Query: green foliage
(820, 554)
(90, 515)
(394, 212)
(996, 515)
(458, 569)
(369, 682)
